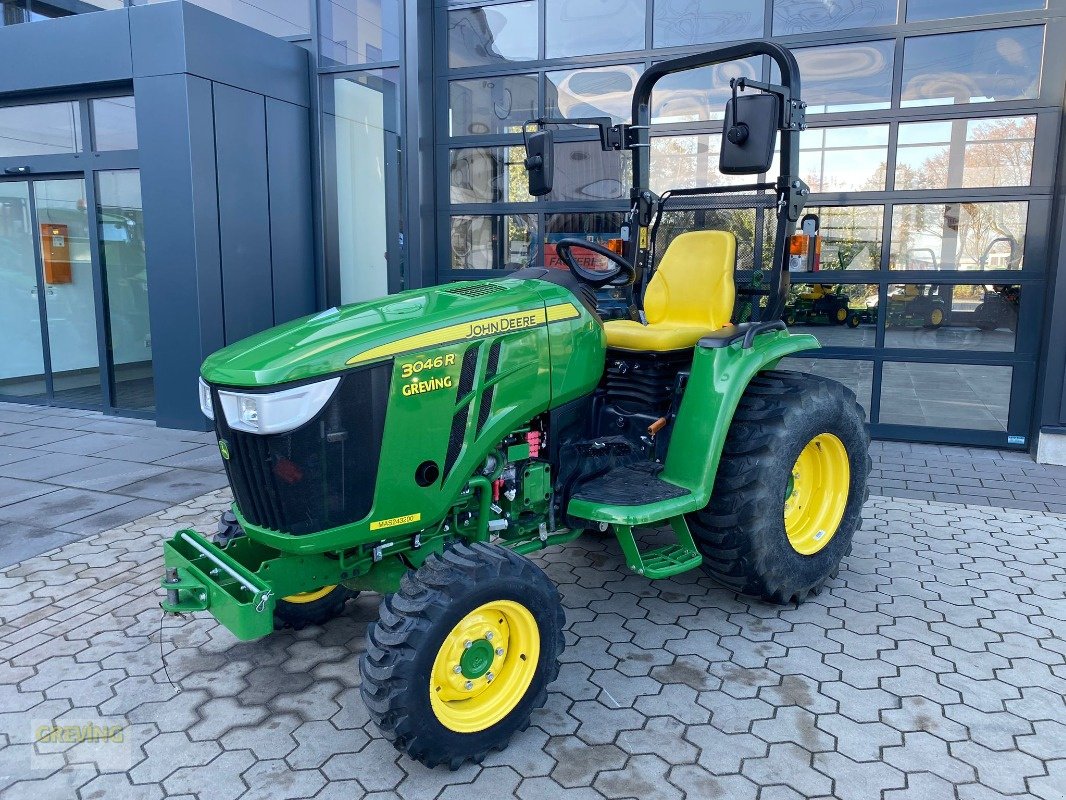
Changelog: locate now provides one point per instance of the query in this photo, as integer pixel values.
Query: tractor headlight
(276, 412)
(205, 399)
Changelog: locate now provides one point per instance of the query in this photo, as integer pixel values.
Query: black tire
(840, 314)
(314, 612)
(415, 622)
(854, 320)
(741, 531)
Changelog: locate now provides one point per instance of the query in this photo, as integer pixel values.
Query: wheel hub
(476, 659)
(817, 494)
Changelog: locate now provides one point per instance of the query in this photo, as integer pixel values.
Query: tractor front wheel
(311, 608)
(789, 491)
(462, 654)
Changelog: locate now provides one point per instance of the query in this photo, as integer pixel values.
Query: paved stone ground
(66, 474)
(933, 667)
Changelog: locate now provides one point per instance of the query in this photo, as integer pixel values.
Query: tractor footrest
(631, 485)
(662, 562)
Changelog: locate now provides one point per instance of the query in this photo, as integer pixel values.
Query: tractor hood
(340, 338)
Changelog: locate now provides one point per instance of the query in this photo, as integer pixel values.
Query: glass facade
(929, 149)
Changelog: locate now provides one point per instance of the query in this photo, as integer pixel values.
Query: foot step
(665, 561)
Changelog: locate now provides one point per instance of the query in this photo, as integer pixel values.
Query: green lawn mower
(423, 445)
(822, 304)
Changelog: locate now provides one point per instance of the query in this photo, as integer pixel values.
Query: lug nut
(457, 669)
(467, 644)
(468, 685)
(488, 677)
(499, 651)
(488, 635)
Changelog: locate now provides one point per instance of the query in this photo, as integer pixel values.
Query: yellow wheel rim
(484, 666)
(817, 494)
(842, 314)
(310, 597)
(937, 316)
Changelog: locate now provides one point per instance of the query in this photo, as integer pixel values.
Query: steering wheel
(623, 273)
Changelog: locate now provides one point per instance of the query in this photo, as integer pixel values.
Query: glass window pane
(973, 67)
(961, 153)
(70, 295)
(583, 171)
(499, 104)
(681, 162)
(595, 92)
(504, 241)
(699, 94)
(121, 224)
(962, 236)
(973, 396)
(807, 16)
(593, 227)
(847, 77)
(583, 27)
(942, 317)
(40, 129)
(359, 31)
(22, 363)
(681, 22)
(945, 9)
(493, 34)
(276, 17)
(839, 315)
(114, 123)
(488, 175)
(362, 168)
(847, 159)
(851, 236)
(856, 375)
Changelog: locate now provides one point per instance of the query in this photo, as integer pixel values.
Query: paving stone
(19, 541)
(175, 485)
(59, 506)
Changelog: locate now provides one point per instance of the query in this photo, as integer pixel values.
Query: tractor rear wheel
(790, 487)
(462, 654)
(311, 608)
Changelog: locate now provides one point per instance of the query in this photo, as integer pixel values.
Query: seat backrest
(694, 282)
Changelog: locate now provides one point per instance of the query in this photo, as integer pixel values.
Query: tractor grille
(321, 475)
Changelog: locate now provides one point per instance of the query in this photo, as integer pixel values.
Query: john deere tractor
(423, 445)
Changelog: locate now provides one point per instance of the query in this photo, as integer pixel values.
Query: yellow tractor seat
(690, 295)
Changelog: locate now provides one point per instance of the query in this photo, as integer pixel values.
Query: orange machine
(55, 250)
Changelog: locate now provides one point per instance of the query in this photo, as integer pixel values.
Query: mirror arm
(612, 137)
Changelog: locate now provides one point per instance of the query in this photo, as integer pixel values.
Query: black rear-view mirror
(749, 133)
(540, 164)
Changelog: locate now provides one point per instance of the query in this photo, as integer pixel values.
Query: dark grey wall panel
(157, 37)
(243, 211)
(80, 50)
(291, 239)
(177, 149)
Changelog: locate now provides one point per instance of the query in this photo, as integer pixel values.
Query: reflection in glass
(968, 317)
(851, 236)
(807, 16)
(945, 9)
(361, 119)
(953, 154)
(962, 236)
(973, 67)
(493, 34)
(493, 242)
(976, 396)
(856, 375)
(70, 297)
(121, 225)
(276, 17)
(40, 129)
(584, 27)
(846, 77)
(114, 123)
(597, 227)
(839, 315)
(359, 31)
(583, 171)
(22, 363)
(499, 104)
(699, 94)
(681, 22)
(681, 162)
(847, 159)
(488, 175)
(594, 92)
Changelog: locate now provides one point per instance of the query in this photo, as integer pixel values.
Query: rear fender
(718, 380)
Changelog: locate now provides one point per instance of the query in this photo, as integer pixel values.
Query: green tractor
(821, 304)
(422, 445)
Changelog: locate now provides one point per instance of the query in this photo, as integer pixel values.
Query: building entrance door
(58, 347)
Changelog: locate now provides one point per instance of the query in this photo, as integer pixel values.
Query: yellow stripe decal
(475, 329)
(377, 525)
